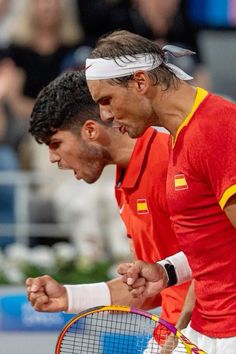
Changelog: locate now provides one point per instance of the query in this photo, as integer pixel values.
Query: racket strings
(111, 332)
(108, 333)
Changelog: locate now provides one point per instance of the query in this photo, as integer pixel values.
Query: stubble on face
(135, 132)
(93, 160)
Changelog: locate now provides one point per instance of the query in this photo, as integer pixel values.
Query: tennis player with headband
(66, 119)
(201, 180)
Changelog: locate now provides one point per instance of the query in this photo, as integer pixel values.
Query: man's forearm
(186, 313)
(120, 294)
(82, 296)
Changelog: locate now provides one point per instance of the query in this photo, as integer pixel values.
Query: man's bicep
(230, 210)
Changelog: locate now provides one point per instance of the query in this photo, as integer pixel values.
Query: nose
(53, 156)
(105, 113)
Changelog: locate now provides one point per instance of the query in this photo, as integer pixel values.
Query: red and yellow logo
(180, 182)
(142, 206)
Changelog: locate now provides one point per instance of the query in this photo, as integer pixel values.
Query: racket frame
(190, 347)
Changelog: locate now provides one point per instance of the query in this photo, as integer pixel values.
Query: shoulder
(215, 115)
(160, 143)
(158, 156)
(218, 107)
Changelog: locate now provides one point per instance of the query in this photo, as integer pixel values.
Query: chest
(133, 202)
(189, 190)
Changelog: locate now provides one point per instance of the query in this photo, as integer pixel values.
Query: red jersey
(141, 195)
(201, 178)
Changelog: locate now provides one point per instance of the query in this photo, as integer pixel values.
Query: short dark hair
(123, 43)
(64, 104)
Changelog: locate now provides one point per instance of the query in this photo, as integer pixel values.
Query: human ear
(141, 81)
(90, 130)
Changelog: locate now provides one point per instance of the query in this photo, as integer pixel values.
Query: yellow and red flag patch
(142, 206)
(180, 182)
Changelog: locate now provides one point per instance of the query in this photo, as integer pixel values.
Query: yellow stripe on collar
(200, 96)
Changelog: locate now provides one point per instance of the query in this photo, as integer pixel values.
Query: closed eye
(53, 145)
(105, 101)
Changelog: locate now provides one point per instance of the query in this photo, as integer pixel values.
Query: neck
(173, 106)
(121, 149)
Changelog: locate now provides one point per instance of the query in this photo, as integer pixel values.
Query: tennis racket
(123, 330)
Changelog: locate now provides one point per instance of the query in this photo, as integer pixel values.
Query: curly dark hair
(64, 104)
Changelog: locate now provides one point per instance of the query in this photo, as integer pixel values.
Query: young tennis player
(67, 120)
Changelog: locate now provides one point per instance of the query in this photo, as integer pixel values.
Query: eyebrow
(52, 140)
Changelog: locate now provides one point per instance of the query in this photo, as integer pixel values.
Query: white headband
(99, 68)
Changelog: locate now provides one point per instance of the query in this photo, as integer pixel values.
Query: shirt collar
(200, 96)
(137, 160)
